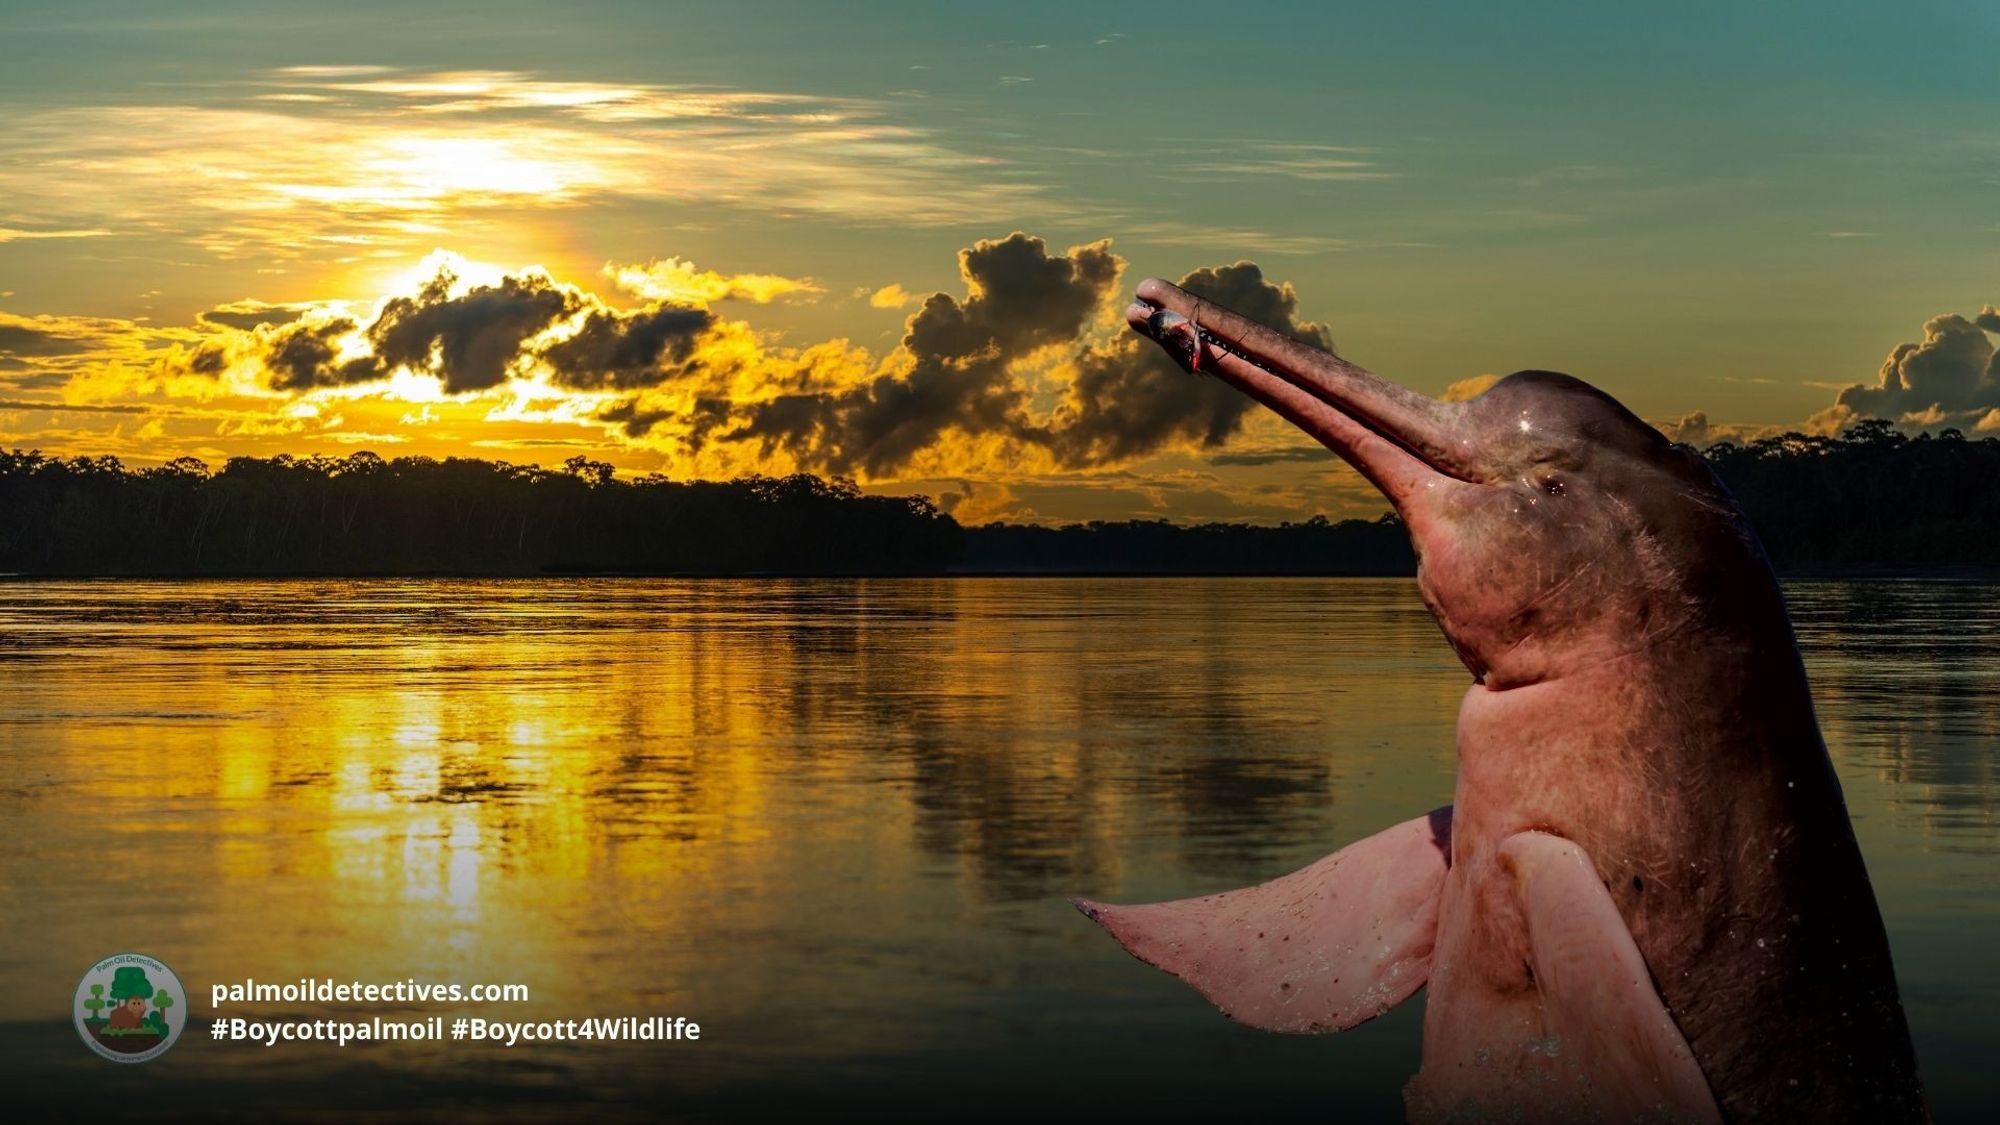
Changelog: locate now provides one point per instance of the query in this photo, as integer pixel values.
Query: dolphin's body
(1645, 900)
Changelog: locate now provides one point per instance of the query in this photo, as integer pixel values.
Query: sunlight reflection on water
(834, 821)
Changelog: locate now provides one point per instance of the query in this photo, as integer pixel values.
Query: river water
(833, 822)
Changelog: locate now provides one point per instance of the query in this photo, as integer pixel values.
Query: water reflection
(832, 820)
(1907, 676)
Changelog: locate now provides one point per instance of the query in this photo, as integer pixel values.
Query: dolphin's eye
(1552, 485)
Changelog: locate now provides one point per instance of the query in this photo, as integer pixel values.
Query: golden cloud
(672, 279)
(1024, 372)
(890, 296)
(392, 155)
(1020, 393)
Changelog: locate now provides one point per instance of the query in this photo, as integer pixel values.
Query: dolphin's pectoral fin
(1599, 1005)
(1322, 949)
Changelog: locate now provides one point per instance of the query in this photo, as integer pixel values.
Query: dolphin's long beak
(1403, 442)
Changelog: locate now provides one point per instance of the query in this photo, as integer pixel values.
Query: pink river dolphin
(1645, 901)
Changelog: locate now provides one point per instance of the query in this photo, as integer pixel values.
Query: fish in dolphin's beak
(1402, 441)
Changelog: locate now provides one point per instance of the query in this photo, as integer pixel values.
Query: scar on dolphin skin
(1179, 335)
(1183, 337)
(1695, 997)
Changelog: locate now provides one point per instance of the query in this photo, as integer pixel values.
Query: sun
(430, 174)
(449, 167)
(466, 272)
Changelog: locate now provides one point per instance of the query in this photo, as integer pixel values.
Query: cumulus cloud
(468, 337)
(613, 349)
(1019, 393)
(1129, 399)
(1694, 428)
(299, 356)
(1026, 369)
(1952, 377)
(1027, 366)
(1949, 379)
(1689, 429)
(1019, 299)
(470, 340)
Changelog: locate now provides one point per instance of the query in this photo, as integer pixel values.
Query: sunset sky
(707, 240)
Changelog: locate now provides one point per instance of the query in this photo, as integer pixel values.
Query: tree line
(1870, 499)
(363, 514)
(1873, 498)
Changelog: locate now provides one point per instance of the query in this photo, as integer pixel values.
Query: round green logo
(130, 1008)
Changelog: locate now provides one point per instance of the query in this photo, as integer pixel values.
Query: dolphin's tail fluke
(1322, 949)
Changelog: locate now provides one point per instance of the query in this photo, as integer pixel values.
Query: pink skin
(1645, 900)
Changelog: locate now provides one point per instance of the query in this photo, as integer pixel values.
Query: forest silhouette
(1870, 500)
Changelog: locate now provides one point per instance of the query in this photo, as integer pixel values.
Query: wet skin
(1638, 756)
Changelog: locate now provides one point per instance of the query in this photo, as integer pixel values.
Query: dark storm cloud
(1130, 399)
(1242, 287)
(469, 341)
(632, 418)
(209, 359)
(709, 416)
(1954, 371)
(626, 350)
(299, 357)
(1019, 298)
(880, 426)
(958, 372)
